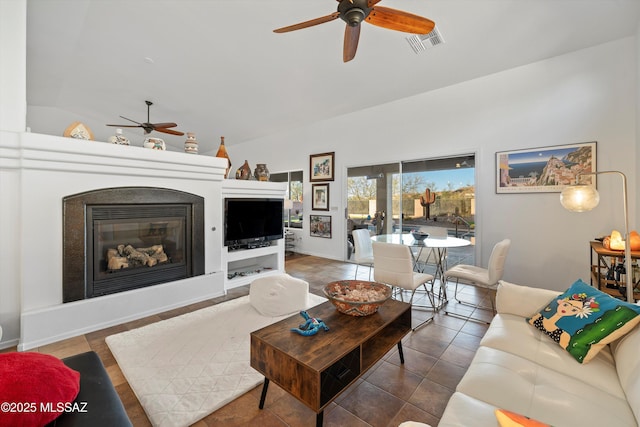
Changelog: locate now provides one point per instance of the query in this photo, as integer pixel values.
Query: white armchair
(487, 278)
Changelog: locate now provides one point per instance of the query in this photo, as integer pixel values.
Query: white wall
(13, 71)
(635, 187)
(588, 95)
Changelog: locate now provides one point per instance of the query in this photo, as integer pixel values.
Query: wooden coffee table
(317, 368)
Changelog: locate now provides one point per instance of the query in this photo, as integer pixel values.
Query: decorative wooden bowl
(357, 297)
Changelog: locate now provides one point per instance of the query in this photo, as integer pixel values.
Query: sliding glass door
(436, 196)
(440, 193)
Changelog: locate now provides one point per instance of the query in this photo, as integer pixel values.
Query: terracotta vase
(244, 171)
(222, 153)
(261, 173)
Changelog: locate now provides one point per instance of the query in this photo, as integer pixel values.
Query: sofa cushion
(278, 295)
(625, 352)
(583, 320)
(541, 393)
(36, 387)
(521, 300)
(464, 411)
(511, 334)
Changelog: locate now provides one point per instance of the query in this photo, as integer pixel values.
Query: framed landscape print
(320, 226)
(321, 167)
(546, 169)
(320, 200)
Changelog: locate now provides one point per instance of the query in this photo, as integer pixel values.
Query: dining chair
(393, 265)
(363, 254)
(486, 278)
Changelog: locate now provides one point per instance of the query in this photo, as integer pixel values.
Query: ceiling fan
(150, 127)
(353, 12)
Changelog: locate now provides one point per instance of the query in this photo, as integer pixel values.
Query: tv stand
(242, 265)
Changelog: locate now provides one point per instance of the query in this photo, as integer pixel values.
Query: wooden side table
(605, 260)
(316, 369)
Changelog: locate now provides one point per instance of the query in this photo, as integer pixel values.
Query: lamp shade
(288, 204)
(579, 198)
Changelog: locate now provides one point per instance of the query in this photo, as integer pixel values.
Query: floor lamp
(583, 198)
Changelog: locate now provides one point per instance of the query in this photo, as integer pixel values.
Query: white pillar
(13, 65)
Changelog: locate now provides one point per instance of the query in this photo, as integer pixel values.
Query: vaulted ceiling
(215, 67)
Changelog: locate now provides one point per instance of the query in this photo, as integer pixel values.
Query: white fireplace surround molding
(36, 173)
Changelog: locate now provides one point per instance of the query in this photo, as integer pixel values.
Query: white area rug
(184, 368)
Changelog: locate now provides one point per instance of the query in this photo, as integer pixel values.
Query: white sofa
(519, 369)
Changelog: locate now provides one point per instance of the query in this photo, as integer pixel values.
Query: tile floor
(436, 357)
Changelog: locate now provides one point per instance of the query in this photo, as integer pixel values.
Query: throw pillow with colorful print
(582, 320)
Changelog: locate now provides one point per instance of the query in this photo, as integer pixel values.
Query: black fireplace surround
(127, 224)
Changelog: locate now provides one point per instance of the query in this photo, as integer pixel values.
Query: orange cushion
(511, 419)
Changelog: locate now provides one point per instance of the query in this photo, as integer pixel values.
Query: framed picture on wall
(321, 167)
(545, 169)
(320, 226)
(320, 200)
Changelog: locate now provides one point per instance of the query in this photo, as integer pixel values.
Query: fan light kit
(354, 12)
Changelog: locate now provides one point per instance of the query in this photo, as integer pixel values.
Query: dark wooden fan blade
(162, 125)
(351, 38)
(306, 24)
(398, 20)
(169, 131)
(126, 126)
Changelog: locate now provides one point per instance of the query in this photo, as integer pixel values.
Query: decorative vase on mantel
(222, 153)
(191, 145)
(244, 171)
(119, 138)
(261, 173)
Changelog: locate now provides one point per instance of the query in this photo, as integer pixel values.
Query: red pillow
(34, 388)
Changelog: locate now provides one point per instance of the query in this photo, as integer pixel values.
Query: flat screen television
(249, 221)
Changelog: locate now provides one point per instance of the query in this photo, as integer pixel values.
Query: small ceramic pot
(261, 173)
(154, 143)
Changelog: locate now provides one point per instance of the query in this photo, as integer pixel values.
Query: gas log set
(126, 256)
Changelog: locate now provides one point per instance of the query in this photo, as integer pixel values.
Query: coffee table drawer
(339, 375)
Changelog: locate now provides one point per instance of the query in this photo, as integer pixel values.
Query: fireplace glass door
(132, 246)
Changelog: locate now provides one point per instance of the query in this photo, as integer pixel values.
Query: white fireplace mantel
(36, 172)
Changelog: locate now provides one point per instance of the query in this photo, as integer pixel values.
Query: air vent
(422, 42)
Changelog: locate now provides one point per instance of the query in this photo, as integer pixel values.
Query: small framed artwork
(320, 200)
(546, 169)
(320, 226)
(321, 167)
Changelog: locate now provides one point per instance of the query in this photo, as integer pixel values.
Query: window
(293, 199)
